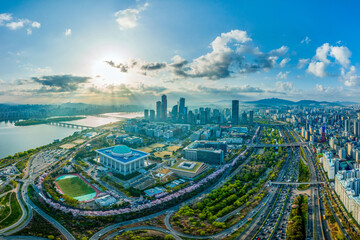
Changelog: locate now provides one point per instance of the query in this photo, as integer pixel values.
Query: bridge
(259, 145)
(295, 183)
(70, 125)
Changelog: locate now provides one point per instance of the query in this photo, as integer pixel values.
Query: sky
(132, 52)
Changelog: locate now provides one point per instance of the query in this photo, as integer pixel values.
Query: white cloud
(322, 52)
(282, 75)
(231, 52)
(320, 61)
(4, 17)
(341, 54)
(321, 88)
(350, 78)
(68, 32)
(306, 40)
(317, 68)
(36, 25)
(7, 20)
(285, 86)
(284, 62)
(128, 18)
(15, 25)
(303, 62)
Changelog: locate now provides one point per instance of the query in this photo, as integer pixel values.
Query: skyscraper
(164, 107)
(146, 114)
(251, 117)
(158, 111)
(356, 128)
(347, 126)
(152, 115)
(181, 109)
(235, 112)
(174, 113)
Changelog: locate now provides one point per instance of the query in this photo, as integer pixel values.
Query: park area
(75, 187)
(10, 210)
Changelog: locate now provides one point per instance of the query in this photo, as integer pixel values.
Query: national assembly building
(122, 159)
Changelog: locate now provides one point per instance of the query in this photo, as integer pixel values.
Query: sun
(103, 74)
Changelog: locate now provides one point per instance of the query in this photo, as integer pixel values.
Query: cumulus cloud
(68, 32)
(317, 68)
(285, 86)
(321, 60)
(321, 88)
(230, 90)
(59, 83)
(128, 18)
(303, 62)
(306, 40)
(231, 52)
(282, 75)
(284, 62)
(350, 78)
(12, 23)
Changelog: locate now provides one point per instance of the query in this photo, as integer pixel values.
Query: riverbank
(47, 120)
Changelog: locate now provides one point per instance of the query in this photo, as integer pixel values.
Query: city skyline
(136, 51)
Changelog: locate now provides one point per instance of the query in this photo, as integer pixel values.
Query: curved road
(142, 228)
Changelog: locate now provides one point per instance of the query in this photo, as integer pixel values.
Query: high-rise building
(152, 115)
(158, 111)
(146, 114)
(164, 107)
(181, 109)
(244, 117)
(251, 117)
(174, 112)
(235, 112)
(347, 126)
(356, 128)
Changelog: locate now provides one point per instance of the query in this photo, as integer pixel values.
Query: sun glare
(103, 74)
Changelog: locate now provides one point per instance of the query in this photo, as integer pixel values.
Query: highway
(319, 225)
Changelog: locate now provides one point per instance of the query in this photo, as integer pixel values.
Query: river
(15, 139)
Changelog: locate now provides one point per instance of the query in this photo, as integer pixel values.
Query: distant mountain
(283, 102)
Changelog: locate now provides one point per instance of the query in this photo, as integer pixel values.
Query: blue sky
(133, 51)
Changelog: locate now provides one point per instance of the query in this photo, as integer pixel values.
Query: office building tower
(347, 126)
(235, 112)
(146, 114)
(356, 128)
(181, 109)
(152, 115)
(174, 113)
(158, 111)
(164, 107)
(251, 117)
(244, 118)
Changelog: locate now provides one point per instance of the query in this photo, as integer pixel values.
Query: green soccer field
(74, 187)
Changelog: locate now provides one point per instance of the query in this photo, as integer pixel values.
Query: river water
(15, 139)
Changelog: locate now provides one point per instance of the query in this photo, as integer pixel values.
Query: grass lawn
(173, 148)
(145, 149)
(74, 187)
(157, 145)
(184, 169)
(163, 154)
(11, 210)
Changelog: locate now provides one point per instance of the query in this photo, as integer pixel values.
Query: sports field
(74, 187)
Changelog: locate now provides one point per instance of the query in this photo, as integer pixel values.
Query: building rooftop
(122, 153)
(121, 149)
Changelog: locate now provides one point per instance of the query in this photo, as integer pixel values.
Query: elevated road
(295, 144)
(296, 183)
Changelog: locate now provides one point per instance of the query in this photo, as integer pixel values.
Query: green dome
(121, 149)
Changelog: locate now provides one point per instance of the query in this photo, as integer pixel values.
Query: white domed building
(122, 159)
